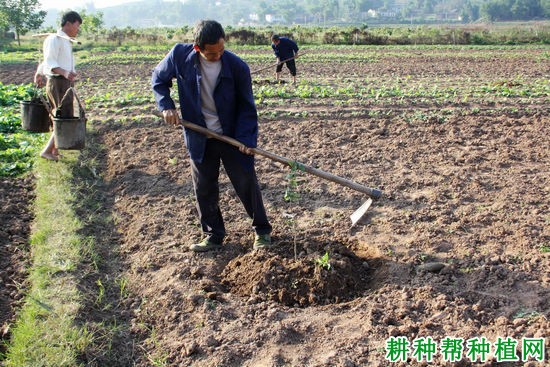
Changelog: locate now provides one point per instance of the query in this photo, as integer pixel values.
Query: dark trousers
(290, 64)
(205, 177)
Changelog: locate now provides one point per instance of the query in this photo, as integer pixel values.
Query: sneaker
(262, 241)
(206, 244)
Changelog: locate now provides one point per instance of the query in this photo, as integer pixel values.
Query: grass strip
(46, 332)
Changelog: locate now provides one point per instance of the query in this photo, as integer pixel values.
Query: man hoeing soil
(215, 91)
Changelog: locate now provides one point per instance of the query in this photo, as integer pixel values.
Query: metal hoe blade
(359, 213)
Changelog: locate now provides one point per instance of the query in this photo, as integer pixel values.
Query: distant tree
(22, 15)
(366, 5)
(512, 9)
(289, 9)
(240, 11)
(314, 8)
(446, 8)
(427, 6)
(264, 8)
(527, 9)
(388, 4)
(322, 10)
(3, 19)
(330, 8)
(469, 12)
(495, 10)
(91, 23)
(4, 26)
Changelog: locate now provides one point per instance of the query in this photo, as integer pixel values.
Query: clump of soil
(308, 280)
(268, 81)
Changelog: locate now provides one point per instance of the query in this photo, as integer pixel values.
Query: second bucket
(69, 132)
(34, 117)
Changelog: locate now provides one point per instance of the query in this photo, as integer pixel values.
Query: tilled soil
(16, 217)
(456, 247)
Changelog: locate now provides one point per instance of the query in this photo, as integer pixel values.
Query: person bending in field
(215, 92)
(284, 49)
(58, 67)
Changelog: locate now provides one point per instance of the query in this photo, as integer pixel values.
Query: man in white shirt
(58, 67)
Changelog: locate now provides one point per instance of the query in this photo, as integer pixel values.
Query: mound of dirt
(328, 273)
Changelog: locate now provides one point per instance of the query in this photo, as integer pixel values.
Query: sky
(80, 4)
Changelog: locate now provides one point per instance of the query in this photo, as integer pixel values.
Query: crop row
(534, 89)
(17, 147)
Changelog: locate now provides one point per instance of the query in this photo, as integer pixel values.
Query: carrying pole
(58, 35)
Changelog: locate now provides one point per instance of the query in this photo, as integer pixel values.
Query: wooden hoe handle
(279, 63)
(373, 193)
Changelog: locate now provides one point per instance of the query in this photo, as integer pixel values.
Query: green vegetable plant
(291, 194)
(11, 94)
(323, 261)
(17, 147)
(35, 94)
(10, 120)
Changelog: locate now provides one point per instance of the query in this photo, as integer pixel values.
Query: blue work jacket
(232, 95)
(285, 49)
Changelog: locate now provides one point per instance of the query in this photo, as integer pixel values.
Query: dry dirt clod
(188, 350)
(432, 267)
(211, 341)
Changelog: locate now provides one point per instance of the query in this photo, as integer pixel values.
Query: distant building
(392, 13)
(449, 15)
(272, 18)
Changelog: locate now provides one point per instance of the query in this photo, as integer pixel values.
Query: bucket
(35, 117)
(70, 132)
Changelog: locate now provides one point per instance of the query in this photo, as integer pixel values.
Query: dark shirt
(285, 49)
(232, 96)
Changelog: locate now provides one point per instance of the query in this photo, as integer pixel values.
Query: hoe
(355, 217)
(279, 63)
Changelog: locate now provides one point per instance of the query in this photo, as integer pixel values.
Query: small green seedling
(100, 293)
(323, 261)
(290, 193)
